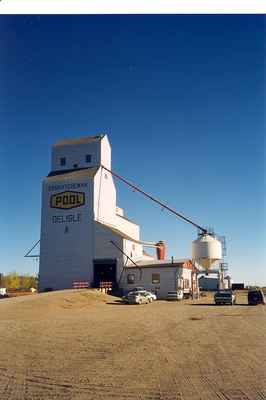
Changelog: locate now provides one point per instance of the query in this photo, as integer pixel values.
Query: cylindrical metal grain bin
(206, 250)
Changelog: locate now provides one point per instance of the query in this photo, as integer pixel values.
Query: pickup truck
(256, 297)
(224, 297)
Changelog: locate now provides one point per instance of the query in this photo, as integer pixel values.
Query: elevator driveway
(85, 345)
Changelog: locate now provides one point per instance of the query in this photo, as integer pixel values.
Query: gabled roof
(81, 140)
(183, 262)
(73, 173)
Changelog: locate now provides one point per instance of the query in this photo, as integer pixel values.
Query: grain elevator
(80, 218)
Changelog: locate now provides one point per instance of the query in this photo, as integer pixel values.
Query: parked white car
(146, 293)
(136, 298)
(150, 295)
(139, 297)
(142, 290)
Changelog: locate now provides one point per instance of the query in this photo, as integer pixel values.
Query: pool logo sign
(67, 200)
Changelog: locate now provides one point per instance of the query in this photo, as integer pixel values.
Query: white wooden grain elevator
(80, 217)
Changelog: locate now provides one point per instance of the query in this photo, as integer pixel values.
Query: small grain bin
(206, 250)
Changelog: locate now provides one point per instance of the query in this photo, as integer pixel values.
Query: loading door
(104, 273)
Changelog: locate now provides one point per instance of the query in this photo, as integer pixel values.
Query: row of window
(63, 160)
(154, 279)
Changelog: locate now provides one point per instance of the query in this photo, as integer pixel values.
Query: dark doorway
(104, 271)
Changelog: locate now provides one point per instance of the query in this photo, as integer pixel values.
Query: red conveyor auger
(177, 214)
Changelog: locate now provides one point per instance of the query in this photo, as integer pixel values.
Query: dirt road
(83, 345)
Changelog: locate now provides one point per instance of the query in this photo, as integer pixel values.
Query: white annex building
(82, 228)
(160, 277)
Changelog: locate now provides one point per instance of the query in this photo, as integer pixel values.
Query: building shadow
(203, 304)
(218, 305)
(116, 303)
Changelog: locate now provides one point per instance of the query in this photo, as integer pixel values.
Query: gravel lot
(87, 345)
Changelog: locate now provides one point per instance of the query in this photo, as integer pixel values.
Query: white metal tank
(206, 250)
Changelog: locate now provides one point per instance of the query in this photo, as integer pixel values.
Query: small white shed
(160, 277)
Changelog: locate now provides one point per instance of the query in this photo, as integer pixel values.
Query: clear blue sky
(181, 98)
